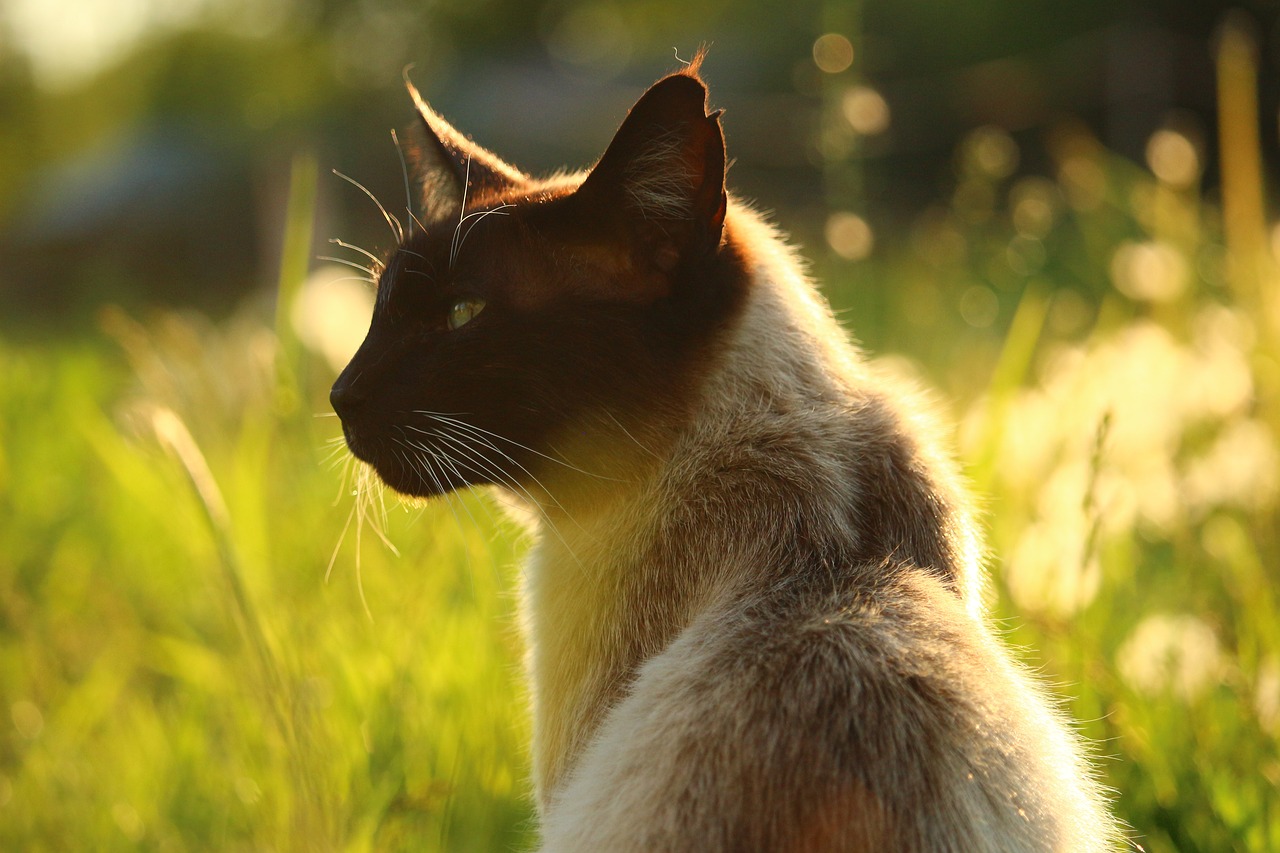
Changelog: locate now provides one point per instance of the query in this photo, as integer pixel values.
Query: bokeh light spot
(1178, 654)
(990, 151)
(331, 314)
(849, 235)
(1083, 181)
(866, 110)
(833, 53)
(1034, 202)
(1149, 272)
(1173, 159)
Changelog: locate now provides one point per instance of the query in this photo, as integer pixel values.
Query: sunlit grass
(176, 676)
(179, 673)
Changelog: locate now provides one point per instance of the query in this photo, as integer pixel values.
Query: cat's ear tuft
(664, 172)
(443, 163)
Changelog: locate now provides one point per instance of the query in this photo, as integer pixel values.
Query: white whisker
(362, 511)
(397, 230)
(487, 468)
(502, 478)
(415, 218)
(364, 602)
(428, 273)
(347, 464)
(465, 431)
(408, 195)
(373, 275)
(377, 262)
(481, 214)
(454, 420)
(334, 457)
(429, 469)
(424, 458)
(333, 558)
(466, 182)
(366, 279)
(628, 434)
(507, 479)
(511, 481)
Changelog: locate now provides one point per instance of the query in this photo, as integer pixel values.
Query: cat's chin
(396, 473)
(414, 484)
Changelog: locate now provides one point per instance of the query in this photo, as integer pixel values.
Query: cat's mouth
(405, 468)
(361, 445)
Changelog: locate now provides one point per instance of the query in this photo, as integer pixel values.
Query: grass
(178, 670)
(180, 678)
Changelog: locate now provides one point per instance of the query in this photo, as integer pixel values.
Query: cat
(753, 609)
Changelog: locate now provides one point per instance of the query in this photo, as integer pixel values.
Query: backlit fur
(753, 610)
(725, 659)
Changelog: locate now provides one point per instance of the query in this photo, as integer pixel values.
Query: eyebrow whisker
(370, 255)
(349, 263)
(397, 230)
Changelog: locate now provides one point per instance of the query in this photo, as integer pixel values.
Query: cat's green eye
(464, 311)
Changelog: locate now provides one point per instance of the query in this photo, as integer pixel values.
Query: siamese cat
(753, 609)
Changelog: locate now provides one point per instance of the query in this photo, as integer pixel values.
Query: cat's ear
(664, 173)
(444, 164)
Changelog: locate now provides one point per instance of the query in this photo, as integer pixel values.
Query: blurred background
(215, 633)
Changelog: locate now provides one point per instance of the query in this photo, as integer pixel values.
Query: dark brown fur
(589, 307)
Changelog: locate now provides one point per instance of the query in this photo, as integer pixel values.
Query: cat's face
(533, 315)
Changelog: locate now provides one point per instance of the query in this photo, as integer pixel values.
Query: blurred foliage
(160, 177)
(204, 644)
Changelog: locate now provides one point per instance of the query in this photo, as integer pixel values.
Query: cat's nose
(344, 398)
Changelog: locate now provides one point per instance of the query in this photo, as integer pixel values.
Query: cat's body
(752, 610)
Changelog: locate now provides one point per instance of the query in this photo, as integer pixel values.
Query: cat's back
(806, 718)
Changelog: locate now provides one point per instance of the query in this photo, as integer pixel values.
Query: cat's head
(520, 318)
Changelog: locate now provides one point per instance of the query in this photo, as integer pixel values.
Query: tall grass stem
(295, 262)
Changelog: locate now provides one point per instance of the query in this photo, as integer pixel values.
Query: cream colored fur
(697, 686)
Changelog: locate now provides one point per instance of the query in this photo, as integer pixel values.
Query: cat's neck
(644, 530)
